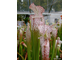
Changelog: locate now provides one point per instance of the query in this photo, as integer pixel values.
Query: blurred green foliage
(46, 4)
(20, 17)
(26, 20)
(22, 6)
(60, 34)
(58, 6)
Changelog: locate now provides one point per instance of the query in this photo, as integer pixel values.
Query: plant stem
(21, 56)
(53, 48)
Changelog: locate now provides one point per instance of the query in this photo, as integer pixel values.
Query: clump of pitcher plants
(41, 41)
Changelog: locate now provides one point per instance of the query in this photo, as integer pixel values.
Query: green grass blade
(53, 49)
